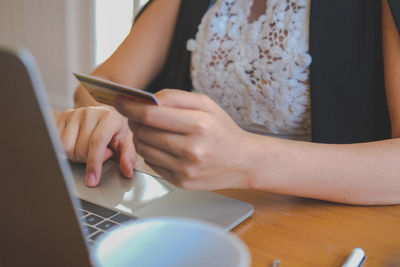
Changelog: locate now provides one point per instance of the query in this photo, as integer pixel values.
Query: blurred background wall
(66, 36)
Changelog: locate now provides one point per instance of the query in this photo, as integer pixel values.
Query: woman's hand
(94, 134)
(189, 140)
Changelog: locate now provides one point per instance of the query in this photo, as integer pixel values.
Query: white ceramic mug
(171, 242)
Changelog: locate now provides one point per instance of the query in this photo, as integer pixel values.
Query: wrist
(83, 99)
(263, 159)
(250, 160)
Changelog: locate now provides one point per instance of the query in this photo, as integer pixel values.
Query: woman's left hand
(189, 140)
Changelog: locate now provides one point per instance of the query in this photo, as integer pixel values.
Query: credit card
(106, 92)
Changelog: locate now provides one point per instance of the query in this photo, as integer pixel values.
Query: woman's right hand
(94, 134)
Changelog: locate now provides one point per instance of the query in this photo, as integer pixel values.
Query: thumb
(182, 99)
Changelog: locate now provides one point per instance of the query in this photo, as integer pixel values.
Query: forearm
(365, 173)
(142, 54)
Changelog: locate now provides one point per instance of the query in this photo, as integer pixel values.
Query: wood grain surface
(306, 232)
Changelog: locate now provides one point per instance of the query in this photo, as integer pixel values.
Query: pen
(276, 263)
(356, 258)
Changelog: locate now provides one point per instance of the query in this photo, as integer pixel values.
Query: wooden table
(305, 232)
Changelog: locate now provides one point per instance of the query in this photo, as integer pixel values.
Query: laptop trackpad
(119, 193)
(147, 196)
(201, 205)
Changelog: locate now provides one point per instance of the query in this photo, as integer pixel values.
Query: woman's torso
(256, 69)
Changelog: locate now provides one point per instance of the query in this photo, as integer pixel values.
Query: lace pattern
(257, 72)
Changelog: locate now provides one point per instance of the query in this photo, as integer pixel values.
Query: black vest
(348, 101)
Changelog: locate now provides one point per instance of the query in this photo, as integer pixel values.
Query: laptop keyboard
(98, 220)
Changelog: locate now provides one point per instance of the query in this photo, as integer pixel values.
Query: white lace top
(257, 72)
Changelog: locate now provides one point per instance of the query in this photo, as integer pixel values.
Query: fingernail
(132, 165)
(91, 179)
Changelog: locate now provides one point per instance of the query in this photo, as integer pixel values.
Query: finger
(97, 151)
(108, 154)
(128, 155)
(185, 100)
(86, 128)
(69, 137)
(156, 156)
(122, 142)
(164, 173)
(165, 118)
(171, 143)
(60, 123)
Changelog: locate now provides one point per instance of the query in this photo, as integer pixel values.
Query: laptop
(49, 217)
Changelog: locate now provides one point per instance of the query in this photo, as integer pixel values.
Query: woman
(260, 49)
